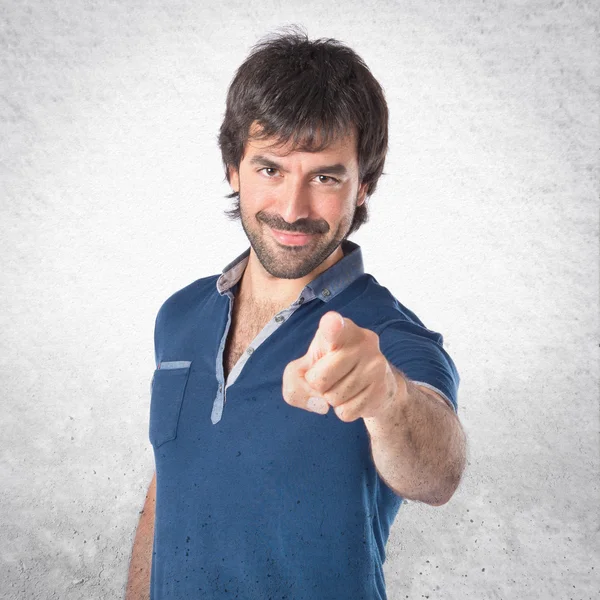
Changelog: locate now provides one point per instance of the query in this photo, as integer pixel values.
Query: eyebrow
(337, 169)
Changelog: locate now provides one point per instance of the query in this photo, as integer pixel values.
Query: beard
(292, 262)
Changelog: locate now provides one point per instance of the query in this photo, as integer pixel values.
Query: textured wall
(485, 224)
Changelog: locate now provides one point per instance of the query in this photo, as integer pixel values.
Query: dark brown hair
(312, 91)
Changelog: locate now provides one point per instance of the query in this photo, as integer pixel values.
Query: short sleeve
(158, 334)
(419, 353)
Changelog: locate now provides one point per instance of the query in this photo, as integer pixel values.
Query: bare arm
(138, 582)
(419, 446)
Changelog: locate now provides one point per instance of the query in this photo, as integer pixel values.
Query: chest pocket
(167, 390)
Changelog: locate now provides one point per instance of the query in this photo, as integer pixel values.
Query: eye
(332, 179)
(267, 169)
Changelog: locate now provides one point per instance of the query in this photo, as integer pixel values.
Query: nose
(294, 200)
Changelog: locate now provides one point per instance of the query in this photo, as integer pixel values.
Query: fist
(343, 368)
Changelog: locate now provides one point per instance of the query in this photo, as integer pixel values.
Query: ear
(362, 194)
(234, 178)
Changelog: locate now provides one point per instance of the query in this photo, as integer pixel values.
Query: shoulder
(187, 298)
(380, 309)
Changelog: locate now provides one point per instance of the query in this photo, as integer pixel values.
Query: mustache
(307, 229)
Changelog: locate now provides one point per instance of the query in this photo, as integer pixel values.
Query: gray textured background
(485, 224)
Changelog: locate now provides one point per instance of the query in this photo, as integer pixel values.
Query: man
(295, 401)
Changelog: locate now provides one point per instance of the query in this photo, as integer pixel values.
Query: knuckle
(318, 384)
(371, 336)
(381, 367)
(343, 415)
(288, 394)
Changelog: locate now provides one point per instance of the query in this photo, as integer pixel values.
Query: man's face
(313, 193)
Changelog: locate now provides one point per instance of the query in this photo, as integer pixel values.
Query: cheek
(344, 210)
(258, 191)
(254, 198)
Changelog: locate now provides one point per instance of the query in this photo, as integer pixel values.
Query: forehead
(343, 148)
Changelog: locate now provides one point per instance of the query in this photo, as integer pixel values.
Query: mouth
(292, 239)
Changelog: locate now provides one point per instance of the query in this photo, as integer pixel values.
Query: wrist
(394, 405)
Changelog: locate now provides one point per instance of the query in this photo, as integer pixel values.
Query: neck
(262, 289)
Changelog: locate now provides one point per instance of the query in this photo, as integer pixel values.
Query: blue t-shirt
(256, 499)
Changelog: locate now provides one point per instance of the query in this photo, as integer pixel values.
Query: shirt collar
(326, 286)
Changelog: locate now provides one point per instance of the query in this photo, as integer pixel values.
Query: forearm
(418, 445)
(138, 582)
